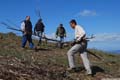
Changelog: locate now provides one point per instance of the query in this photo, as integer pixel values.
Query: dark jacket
(28, 27)
(39, 26)
(61, 31)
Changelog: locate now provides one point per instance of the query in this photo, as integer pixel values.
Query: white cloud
(107, 37)
(52, 35)
(101, 37)
(86, 13)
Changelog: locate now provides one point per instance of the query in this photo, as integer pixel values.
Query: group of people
(79, 45)
(26, 28)
(39, 29)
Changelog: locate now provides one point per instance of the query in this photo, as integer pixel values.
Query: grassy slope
(49, 63)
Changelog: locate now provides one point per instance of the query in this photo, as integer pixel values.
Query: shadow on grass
(42, 49)
(96, 69)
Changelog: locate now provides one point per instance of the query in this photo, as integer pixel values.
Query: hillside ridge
(50, 62)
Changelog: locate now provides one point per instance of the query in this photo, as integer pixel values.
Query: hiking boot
(22, 48)
(36, 49)
(88, 73)
(72, 70)
(38, 44)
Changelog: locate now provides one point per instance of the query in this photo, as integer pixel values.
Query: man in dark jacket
(61, 32)
(39, 29)
(26, 27)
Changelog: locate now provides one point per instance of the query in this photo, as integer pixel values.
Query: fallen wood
(12, 28)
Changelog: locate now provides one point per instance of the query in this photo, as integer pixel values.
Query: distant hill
(116, 51)
(50, 63)
(113, 51)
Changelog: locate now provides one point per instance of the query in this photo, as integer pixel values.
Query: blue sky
(99, 17)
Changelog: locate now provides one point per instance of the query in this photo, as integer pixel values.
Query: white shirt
(23, 26)
(79, 32)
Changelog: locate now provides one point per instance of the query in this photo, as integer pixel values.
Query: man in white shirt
(26, 28)
(80, 45)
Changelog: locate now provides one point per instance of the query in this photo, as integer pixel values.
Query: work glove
(73, 43)
(24, 33)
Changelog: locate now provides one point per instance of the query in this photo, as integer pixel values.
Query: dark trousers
(39, 34)
(28, 38)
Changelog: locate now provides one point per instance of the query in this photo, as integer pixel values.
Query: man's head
(40, 20)
(61, 25)
(27, 18)
(73, 23)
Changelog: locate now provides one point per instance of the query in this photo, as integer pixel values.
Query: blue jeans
(61, 41)
(28, 38)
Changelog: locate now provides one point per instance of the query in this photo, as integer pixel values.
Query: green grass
(10, 47)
